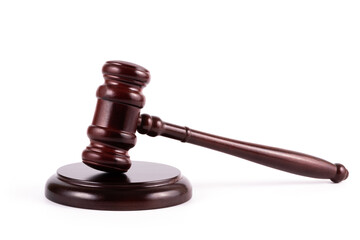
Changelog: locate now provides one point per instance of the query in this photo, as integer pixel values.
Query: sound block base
(146, 185)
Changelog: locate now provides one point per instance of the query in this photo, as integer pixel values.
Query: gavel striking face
(117, 117)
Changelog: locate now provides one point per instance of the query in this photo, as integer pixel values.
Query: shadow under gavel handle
(281, 159)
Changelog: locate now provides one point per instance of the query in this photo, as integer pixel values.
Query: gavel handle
(285, 160)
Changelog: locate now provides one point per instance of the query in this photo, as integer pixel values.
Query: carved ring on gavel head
(117, 116)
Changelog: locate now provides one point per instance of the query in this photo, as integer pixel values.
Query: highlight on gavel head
(112, 132)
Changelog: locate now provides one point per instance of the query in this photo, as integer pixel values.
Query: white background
(279, 73)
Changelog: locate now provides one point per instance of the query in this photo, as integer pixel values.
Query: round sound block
(145, 186)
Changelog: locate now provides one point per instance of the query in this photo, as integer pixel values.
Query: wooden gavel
(117, 117)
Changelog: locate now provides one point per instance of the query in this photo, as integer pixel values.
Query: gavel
(117, 118)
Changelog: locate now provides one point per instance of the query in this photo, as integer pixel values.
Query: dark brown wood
(116, 118)
(285, 160)
(112, 132)
(105, 180)
(145, 186)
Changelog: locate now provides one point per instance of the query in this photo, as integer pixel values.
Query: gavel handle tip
(341, 174)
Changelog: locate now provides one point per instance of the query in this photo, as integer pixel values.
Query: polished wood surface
(285, 160)
(112, 132)
(145, 186)
(107, 180)
(117, 116)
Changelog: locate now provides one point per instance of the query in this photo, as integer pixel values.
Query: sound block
(146, 185)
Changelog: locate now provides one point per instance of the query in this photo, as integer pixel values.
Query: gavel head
(112, 132)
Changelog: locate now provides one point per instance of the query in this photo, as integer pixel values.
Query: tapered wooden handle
(285, 160)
